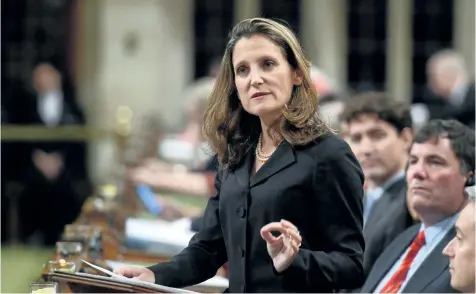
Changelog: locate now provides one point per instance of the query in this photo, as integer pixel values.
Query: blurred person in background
(214, 67)
(56, 181)
(461, 249)
(380, 134)
(177, 178)
(330, 108)
(196, 175)
(331, 100)
(323, 84)
(452, 89)
(196, 98)
(440, 165)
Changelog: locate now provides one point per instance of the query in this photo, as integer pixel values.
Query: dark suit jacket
(441, 109)
(389, 217)
(431, 277)
(317, 187)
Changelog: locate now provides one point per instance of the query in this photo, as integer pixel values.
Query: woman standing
(281, 170)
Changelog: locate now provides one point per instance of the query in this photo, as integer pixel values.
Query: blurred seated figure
(451, 88)
(55, 180)
(195, 182)
(332, 100)
(461, 249)
(196, 97)
(186, 167)
(323, 84)
(331, 107)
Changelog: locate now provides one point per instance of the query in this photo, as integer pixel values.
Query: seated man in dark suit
(197, 170)
(451, 88)
(441, 164)
(55, 178)
(461, 250)
(380, 134)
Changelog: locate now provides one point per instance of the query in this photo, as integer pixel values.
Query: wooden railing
(26, 133)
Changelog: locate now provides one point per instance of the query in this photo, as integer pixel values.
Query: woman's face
(263, 77)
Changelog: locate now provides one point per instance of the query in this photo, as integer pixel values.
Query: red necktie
(396, 281)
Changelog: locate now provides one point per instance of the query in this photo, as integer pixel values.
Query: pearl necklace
(259, 154)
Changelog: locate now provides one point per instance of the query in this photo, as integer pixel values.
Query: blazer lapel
(396, 188)
(385, 262)
(243, 172)
(281, 158)
(431, 268)
(380, 207)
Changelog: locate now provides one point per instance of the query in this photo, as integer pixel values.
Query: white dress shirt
(50, 107)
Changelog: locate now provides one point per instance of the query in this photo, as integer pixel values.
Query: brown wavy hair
(229, 129)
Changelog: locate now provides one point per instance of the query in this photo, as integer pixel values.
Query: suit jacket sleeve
(205, 254)
(338, 188)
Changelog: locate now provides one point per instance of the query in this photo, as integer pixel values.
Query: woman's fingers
(274, 227)
(295, 247)
(291, 249)
(288, 225)
(284, 227)
(294, 235)
(266, 232)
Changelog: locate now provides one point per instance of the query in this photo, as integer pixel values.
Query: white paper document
(155, 236)
(101, 269)
(217, 282)
(130, 281)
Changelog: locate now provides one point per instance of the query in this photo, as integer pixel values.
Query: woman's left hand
(284, 248)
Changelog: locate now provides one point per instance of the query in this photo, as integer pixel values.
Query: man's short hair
(460, 136)
(394, 112)
(451, 59)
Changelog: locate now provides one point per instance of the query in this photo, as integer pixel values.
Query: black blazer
(431, 277)
(388, 219)
(317, 187)
(441, 108)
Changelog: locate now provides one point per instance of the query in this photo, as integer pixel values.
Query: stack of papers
(215, 284)
(129, 281)
(156, 236)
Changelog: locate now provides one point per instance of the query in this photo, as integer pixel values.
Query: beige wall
(153, 76)
(246, 9)
(464, 30)
(324, 36)
(399, 50)
(147, 76)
